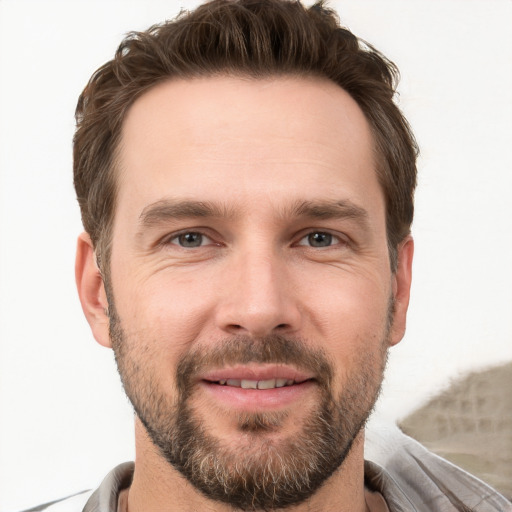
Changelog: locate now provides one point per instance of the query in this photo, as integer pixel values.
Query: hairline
(103, 247)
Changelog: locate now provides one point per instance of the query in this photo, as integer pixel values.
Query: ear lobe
(91, 290)
(402, 288)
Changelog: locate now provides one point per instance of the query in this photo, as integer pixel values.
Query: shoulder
(103, 499)
(404, 470)
(74, 503)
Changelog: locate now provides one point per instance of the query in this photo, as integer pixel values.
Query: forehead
(232, 138)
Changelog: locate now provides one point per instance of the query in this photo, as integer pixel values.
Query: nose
(259, 297)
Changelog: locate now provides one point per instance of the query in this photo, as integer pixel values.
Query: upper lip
(257, 372)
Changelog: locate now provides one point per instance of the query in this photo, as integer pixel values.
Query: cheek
(349, 317)
(348, 310)
(166, 307)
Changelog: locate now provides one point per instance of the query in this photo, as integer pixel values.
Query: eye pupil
(320, 239)
(190, 239)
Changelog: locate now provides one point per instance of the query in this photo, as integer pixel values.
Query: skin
(254, 149)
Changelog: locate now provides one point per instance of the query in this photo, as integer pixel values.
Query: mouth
(257, 388)
(257, 384)
(257, 376)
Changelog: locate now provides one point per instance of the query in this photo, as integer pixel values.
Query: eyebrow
(168, 209)
(323, 210)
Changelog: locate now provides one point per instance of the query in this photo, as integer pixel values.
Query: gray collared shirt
(409, 477)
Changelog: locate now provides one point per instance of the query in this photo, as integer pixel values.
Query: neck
(158, 487)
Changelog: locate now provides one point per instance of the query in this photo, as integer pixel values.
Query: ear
(91, 290)
(401, 283)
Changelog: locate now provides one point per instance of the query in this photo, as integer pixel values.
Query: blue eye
(319, 239)
(190, 239)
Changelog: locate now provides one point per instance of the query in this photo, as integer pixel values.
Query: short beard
(264, 474)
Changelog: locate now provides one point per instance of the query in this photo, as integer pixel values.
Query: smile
(256, 384)
(258, 387)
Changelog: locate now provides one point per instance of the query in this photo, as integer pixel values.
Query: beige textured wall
(470, 424)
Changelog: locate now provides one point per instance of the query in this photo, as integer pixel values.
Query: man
(246, 186)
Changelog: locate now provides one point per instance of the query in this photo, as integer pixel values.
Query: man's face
(249, 251)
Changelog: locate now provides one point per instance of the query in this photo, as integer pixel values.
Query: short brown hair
(255, 38)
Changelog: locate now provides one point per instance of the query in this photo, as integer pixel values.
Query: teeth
(267, 384)
(280, 383)
(257, 384)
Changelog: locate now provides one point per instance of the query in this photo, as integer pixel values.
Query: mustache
(271, 349)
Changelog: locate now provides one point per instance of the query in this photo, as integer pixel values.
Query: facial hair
(265, 473)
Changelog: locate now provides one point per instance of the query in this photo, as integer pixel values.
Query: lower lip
(258, 399)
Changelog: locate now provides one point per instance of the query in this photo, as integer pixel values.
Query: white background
(64, 419)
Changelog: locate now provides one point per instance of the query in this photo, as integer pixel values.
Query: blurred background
(64, 420)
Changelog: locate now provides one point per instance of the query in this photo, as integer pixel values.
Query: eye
(320, 239)
(190, 239)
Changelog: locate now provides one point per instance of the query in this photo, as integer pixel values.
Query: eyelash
(338, 239)
(177, 236)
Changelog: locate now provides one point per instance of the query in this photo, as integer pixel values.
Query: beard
(260, 471)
